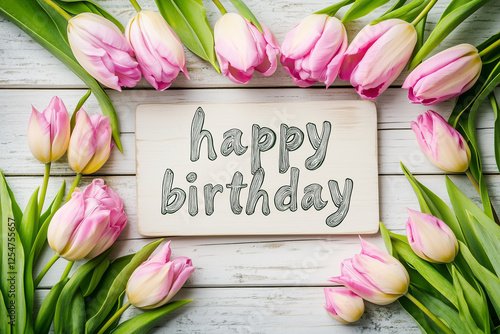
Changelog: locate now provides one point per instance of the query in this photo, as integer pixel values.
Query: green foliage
(189, 20)
(34, 20)
(76, 7)
(361, 8)
(48, 308)
(246, 13)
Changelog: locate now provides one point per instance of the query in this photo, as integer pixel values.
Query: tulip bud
(102, 50)
(444, 76)
(49, 131)
(241, 48)
(442, 144)
(157, 48)
(430, 238)
(377, 55)
(90, 144)
(374, 275)
(158, 279)
(343, 305)
(313, 50)
(88, 224)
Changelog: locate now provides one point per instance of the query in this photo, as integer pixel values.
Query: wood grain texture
(26, 64)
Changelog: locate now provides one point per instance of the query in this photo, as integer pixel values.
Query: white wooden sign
(257, 168)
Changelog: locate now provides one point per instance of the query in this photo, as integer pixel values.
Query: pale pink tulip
(442, 144)
(49, 131)
(158, 279)
(313, 50)
(343, 305)
(377, 55)
(444, 76)
(374, 275)
(88, 224)
(90, 144)
(430, 238)
(102, 50)
(241, 48)
(157, 48)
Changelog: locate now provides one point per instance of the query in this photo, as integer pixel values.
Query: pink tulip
(158, 279)
(49, 131)
(442, 144)
(102, 50)
(313, 50)
(241, 48)
(157, 48)
(377, 55)
(444, 76)
(90, 144)
(374, 275)
(88, 224)
(430, 238)
(343, 305)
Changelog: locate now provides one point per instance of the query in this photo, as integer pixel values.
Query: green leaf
(144, 322)
(64, 313)
(496, 137)
(445, 26)
(48, 308)
(463, 206)
(33, 20)
(80, 104)
(333, 9)
(454, 4)
(189, 20)
(387, 239)
(4, 324)
(12, 261)
(473, 309)
(489, 238)
(118, 306)
(491, 49)
(98, 296)
(59, 21)
(95, 278)
(118, 286)
(407, 13)
(433, 276)
(489, 281)
(77, 320)
(361, 8)
(417, 315)
(430, 203)
(29, 225)
(76, 7)
(246, 13)
(16, 210)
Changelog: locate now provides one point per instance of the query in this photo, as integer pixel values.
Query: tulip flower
(377, 55)
(90, 144)
(343, 305)
(88, 224)
(241, 48)
(158, 279)
(444, 76)
(313, 50)
(374, 275)
(430, 238)
(442, 144)
(102, 50)
(49, 131)
(157, 48)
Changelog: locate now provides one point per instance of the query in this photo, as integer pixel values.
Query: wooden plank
(27, 64)
(194, 162)
(268, 310)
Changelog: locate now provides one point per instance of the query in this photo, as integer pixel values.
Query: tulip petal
(39, 136)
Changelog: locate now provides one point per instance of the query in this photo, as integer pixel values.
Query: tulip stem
(67, 270)
(424, 12)
(46, 176)
(220, 7)
(473, 180)
(489, 48)
(428, 313)
(45, 269)
(114, 317)
(58, 9)
(76, 181)
(137, 8)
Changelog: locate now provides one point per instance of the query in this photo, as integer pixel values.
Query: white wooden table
(241, 284)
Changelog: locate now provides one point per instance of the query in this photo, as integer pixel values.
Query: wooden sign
(257, 168)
